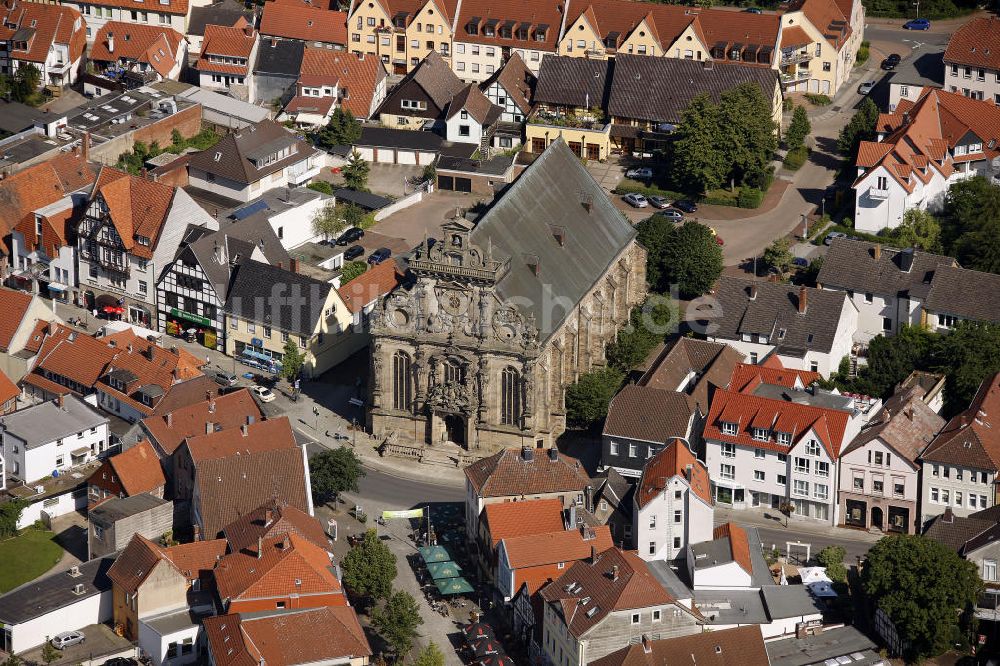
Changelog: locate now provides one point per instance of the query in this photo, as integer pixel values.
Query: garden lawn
(26, 557)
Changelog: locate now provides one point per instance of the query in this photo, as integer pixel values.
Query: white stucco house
(672, 504)
(914, 160)
(471, 117)
(805, 328)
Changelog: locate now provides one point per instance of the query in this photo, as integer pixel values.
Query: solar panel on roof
(247, 211)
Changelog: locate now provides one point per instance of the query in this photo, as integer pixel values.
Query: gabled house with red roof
(922, 148)
(511, 519)
(771, 445)
(140, 53)
(159, 596)
(672, 504)
(972, 60)
(135, 471)
(26, 318)
(604, 603)
(167, 431)
(171, 14)
(532, 561)
(402, 32)
(272, 519)
(726, 561)
(129, 234)
(43, 205)
(288, 638)
(49, 37)
(228, 54)
(328, 79)
(305, 21)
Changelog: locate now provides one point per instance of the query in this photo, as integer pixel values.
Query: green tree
(430, 656)
(292, 360)
(778, 254)
(10, 514)
(970, 224)
(892, 359)
(798, 129)
(691, 259)
(333, 472)
(343, 129)
(397, 622)
(12, 660)
(329, 221)
(919, 229)
(321, 186)
(648, 326)
(369, 569)
(699, 163)
(351, 271)
(24, 85)
(49, 653)
(748, 136)
(860, 128)
(923, 586)
(832, 557)
(587, 400)
(654, 233)
(968, 354)
(356, 173)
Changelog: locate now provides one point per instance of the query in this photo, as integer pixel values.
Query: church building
(504, 313)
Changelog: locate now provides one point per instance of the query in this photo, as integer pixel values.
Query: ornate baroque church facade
(505, 313)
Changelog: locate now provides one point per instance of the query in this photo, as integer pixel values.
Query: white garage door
(385, 155)
(366, 154)
(406, 157)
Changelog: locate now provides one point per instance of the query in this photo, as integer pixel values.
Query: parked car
(223, 378)
(379, 255)
(639, 173)
(263, 393)
(121, 661)
(66, 639)
(672, 214)
(866, 87)
(917, 24)
(658, 202)
(800, 262)
(635, 200)
(891, 61)
(351, 235)
(353, 252)
(753, 10)
(686, 205)
(832, 236)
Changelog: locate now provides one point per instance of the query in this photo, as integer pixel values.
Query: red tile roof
(508, 473)
(158, 47)
(176, 7)
(272, 520)
(315, 635)
(920, 137)
(72, 355)
(976, 43)
(50, 25)
(740, 646)
(617, 581)
(8, 389)
(739, 544)
(747, 376)
(518, 519)
(794, 36)
(287, 564)
(559, 546)
(375, 282)
(137, 207)
(245, 440)
(138, 469)
(970, 439)
(236, 41)
(304, 22)
(827, 17)
(675, 459)
(14, 305)
(358, 75)
(37, 187)
(37, 336)
(134, 563)
(779, 416)
(227, 411)
(521, 11)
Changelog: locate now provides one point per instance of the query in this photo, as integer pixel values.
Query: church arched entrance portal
(454, 427)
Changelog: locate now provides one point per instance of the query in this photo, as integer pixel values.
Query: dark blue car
(379, 255)
(917, 24)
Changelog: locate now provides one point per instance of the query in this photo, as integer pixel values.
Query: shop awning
(449, 586)
(80, 451)
(434, 554)
(732, 485)
(257, 355)
(58, 286)
(440, 570)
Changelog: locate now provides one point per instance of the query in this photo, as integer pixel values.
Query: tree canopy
(10, 514)
(691, 258)
(649, 324)
(860, 128)
(919, 229)
(369, 568)
(968, 354)
(798, 129)
(292, 359)
(352, 270)
(698, 162)
(970, 224)
(430, 656)
(778, 254)
(356, 173)
(334, 471)
(397, 622)
(587, 400)
(343, 129)
(329, 221)
(922, 585)
(832, 557)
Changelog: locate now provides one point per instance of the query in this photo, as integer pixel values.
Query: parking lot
(100, 645)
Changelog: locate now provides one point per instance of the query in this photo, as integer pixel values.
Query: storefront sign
(204, 321)
(257, 342)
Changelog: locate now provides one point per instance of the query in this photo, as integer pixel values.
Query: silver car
(866, 87)
(66, 639)
(635, 200)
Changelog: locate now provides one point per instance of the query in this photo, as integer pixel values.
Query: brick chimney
(878, 251)
(244, 430)
(803, 299)
(293, 265)
(260, 547)
(209, 427)
(169, 418)
(753, 292)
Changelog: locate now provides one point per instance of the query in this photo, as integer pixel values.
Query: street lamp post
(316, 414)
(917, 4)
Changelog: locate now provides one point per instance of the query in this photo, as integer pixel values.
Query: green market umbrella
(444, 570)
(434, 554)
(453, 586)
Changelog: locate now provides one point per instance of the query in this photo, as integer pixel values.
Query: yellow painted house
(401, 32)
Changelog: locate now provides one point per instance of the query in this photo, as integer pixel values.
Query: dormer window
(729, 428)
(760, 434)
(116, 384)
(975, 148)
(142, 240)
(783, 438)
(959, 151)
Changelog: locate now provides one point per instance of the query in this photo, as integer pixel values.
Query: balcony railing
(795, 58)
(594, 53)
(799, 75)
(569, 120)
(880, 195)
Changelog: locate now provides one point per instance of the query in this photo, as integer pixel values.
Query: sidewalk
(796, 526)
